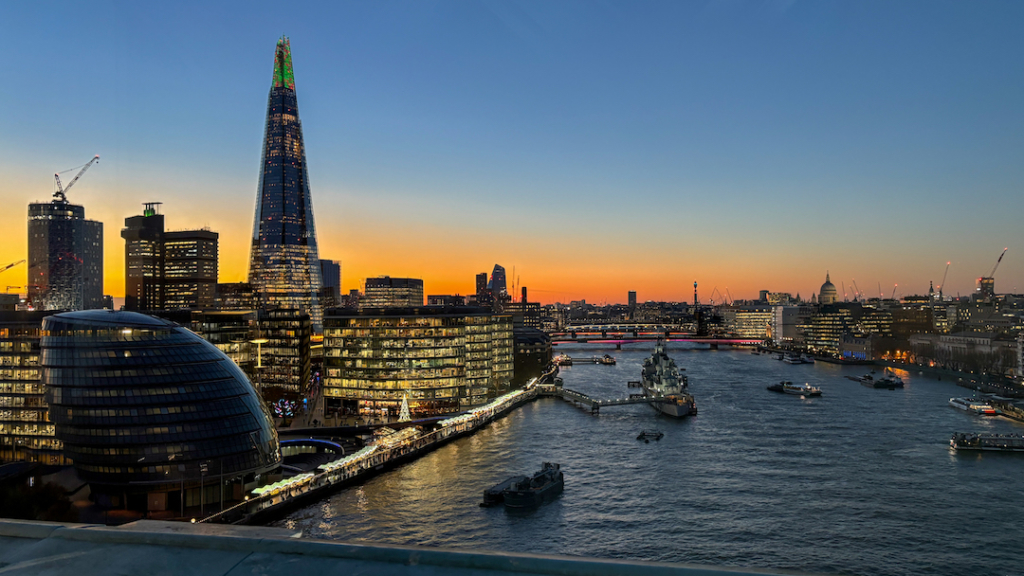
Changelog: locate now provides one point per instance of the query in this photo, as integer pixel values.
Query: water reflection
(859, 480)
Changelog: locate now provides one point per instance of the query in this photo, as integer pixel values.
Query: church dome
(828, 294)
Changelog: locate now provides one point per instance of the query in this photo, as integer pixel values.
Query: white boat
(800, 389)
(807, 359)
(792, 359)
(972, 405)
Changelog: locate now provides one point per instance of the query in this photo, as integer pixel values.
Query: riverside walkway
(273, 500)
(594, 405)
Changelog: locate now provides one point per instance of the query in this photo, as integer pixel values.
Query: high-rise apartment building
(167, 270)
(284, 266)
(388, 292)
(481, 283)
(65, 257)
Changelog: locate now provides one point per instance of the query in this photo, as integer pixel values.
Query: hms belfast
(661, 377)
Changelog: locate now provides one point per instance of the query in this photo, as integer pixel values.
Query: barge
(987, 442)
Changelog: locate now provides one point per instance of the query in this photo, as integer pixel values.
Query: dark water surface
(858, 481)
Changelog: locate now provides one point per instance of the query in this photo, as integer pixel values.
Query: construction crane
(943, 280)
(12, 265)
(857, 288)
(893, 297)
(727, 293)
(61, 190)
(992, 274)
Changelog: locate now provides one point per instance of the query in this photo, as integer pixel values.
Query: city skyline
(600, 151)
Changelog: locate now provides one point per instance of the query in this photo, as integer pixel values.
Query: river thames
(858, 481)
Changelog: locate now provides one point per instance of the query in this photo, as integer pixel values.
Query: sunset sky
(597, 147)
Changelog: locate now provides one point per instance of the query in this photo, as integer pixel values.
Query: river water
(857, 481)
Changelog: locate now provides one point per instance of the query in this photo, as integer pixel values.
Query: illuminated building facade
(388, 292)
(330, 283)
(26, 432)
(167, 270)
(284, 267)
(65, 257)
(748, 321)
(190, 269)
(148, 409)
(442, 359)
(286, 356)
(144, 259)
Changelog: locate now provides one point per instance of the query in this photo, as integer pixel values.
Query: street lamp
(259, 342)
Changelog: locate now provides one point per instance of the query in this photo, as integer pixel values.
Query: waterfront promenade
(269, 502)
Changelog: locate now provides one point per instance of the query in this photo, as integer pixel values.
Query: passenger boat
(660, 377)
(807, 359)
(607, 360)
(987, 442)
(972, 405)
(543, 487)
(562, 360)
(792, 359)
(800, 389)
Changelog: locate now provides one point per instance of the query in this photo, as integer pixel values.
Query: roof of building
(115, 318)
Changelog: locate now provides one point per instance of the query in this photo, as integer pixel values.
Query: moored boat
(800, 389)
(542, 487)
(660, 377)
(987, 442)
(972, 405)
(792, 359)
(607, 360)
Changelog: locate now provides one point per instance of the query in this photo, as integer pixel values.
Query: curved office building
(143, 405)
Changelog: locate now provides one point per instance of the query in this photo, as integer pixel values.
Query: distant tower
(144, 259)
(695, 301)
(284, 267)
(828, 294)
(497, 284)
(65, 257)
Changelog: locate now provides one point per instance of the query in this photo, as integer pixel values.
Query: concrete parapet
(165, 548)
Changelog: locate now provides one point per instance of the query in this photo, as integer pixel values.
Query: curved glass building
(143, 405)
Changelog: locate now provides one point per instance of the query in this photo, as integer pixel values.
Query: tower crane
(12, 265)
(857, 288)
(893, 292)
(61, 190)
(944, 280)
(993, 272)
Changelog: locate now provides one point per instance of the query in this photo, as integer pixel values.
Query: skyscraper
(330, 283)
(497, 284)
(65, 257)
(167, 270)
(284, 267)
(144, 259)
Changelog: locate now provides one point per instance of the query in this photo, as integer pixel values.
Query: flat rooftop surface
(154, 548)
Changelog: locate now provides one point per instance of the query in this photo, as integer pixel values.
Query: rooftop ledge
(155, 548)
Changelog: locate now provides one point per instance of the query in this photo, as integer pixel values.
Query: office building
(144, 259)
(497, 284)
(235, 296)
(481, 283)
(284, 267)
(388, 292)
(190, 269)
(167, 270)
(286, 355)
(26, 432)
(747, 321)
(446, 300)
(442, 359)
(330, 283)
(65, 257)
(148, 410)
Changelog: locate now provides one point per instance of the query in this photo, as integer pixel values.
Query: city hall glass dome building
(148, 409)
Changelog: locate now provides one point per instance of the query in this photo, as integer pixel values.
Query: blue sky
(596, 146)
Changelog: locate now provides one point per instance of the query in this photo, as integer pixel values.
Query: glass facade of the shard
(284, 267)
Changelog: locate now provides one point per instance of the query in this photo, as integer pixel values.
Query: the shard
(284, 267)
